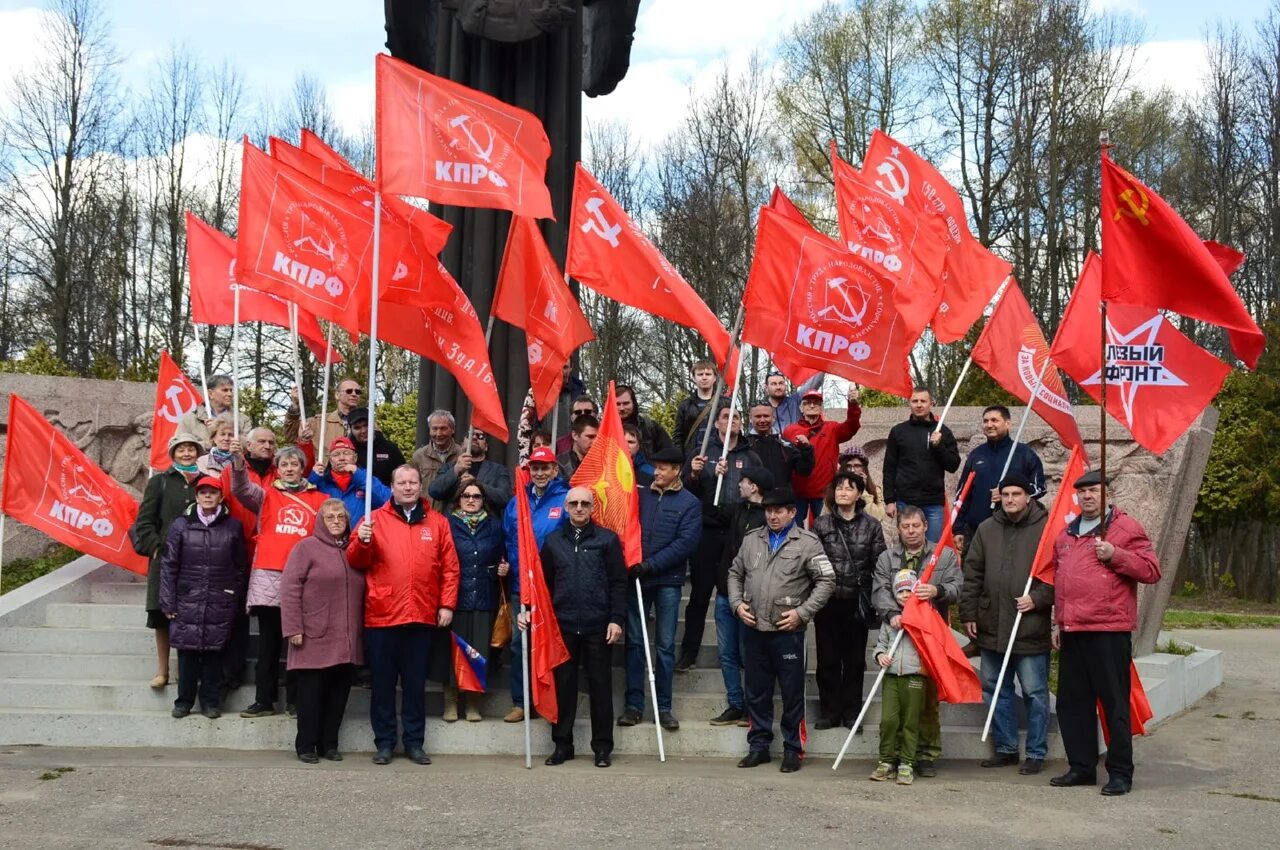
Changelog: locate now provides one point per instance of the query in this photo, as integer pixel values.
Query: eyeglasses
(350, 391)
(578, 503)
(586, 411)
(472, 496)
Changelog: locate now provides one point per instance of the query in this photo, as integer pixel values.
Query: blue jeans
(803, 506)
(934, 516)
(729, 641)
(666, 602)
(1033, 677)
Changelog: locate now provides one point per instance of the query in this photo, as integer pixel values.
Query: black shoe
(790, 762)
(686, 663)
(1072, 778)
(926, 769)
(755, 758)
(332, 755)
(1001, 760)
(309, 758)
(180, 711)
(559, 757)
(211, 712)
(259, 709)
(629, 717)
(1117, 786)
(1031, 766)
(728, 717)
(824, 723)
(417, 755)
(668, 721)
(604, 759)
(382, 757)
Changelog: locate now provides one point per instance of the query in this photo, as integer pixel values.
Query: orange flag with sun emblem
(607, 472)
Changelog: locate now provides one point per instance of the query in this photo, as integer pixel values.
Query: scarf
(472, 521)
(342, 479)
(292, 488)
(189, 471)
(260, 465)
(218, 457)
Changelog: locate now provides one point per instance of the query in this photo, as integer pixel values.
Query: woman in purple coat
(321, 615)
(203, 574)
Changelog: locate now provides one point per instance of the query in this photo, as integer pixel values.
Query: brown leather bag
(501, 634)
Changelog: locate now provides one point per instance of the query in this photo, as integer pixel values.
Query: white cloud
(1127, 7)
(21, 33)
(651, 99)
(709, 28)
(1179, 65)
(353, 104)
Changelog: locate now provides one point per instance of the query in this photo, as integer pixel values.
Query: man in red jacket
(1098, 562)
(406, 552)
(825, 437)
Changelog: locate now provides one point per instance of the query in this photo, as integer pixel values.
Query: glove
(642, 569)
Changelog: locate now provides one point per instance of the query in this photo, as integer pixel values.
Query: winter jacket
(386, 456)
(744, 518)
(852, 547)
(987, 463)
(410, 566)
(947, 577)
(203, 574)
(353, 496)
(430, 464)
(167, 497)
(568, 462)
(689, 429)
(914, 469)
(285, 516)
(1090, 596)
(479, 554)
(492, 476)
(826, 437)
(797, 576)
(782, 460)
(670, 528)
(906, 659)
(586, 578)
(335, 425)
(547, 512)
(997, 563)
(653, 436)
(322, 599)
(703, 484)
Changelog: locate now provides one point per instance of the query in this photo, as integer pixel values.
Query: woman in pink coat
(321, 615)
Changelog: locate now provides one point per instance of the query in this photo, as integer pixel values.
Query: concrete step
(119, 592)
(154, 728)
(95, 615)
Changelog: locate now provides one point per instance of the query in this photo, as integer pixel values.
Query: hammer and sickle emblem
(899, 182)
(1138, 204)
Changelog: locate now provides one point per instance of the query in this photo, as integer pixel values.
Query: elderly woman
(203, 573)
(478, 537)
(853, 540)
(167, 497)
(321, 614)
(340, 478)
(286, 510)
(221, 432)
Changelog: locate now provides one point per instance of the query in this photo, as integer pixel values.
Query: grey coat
(797, 576)
(947, 577)
(906, 659)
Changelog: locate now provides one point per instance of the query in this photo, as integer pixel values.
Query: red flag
(609, 253)
(907, 248)
(304, 241)
(811, 301)
(546, 647)
(797, 374)
(469, 666)
(939, 652)
(1158, 381)
(1012, 349)
(211, 264)
(1227, 258)
(779, 202)
(1066, 507)
(451, 144)
(607, 472)
(1152, 257)
(176, 396)
(446, 330)
(973, 274)
(531, 294)
(51, 486)
(1139, 707)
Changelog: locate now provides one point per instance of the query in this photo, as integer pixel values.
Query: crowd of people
(772, 525)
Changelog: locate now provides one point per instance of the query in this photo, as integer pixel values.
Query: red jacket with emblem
(285, 517)
(825, 436)
(1090, 596)
(411, 568)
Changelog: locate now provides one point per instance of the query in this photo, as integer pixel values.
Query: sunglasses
(586, 411)
(351, 392)
(578, 503)
(472, 496)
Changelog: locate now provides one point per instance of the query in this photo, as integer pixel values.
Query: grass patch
(22, 570)
(1174, 647)
(56, 773)
(1246, 796)
(1218, 620)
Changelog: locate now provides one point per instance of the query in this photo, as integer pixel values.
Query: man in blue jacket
(546, 502)
(670, 527)
(342, 479)
(987, 462)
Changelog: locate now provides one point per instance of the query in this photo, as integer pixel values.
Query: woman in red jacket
(286, 510)
(411, 572)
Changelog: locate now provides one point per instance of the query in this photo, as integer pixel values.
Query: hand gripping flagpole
(964, 370)
(204, 380)
(373, 350)
(235, 362)
(715, 394)
(648, 663)
(733, 407)
(893, 647)
(324, 396)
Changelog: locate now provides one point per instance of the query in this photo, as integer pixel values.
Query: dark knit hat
(759, 476)
(1017, 479)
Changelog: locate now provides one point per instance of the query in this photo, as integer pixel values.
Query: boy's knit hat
(903, 581)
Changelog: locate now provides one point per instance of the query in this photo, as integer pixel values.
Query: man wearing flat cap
(996, 567)
(778, 581)
(1098, 562)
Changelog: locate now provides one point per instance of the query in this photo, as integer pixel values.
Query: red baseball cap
(542, 454)
(812, 394)
(341, 443)
(208, 482)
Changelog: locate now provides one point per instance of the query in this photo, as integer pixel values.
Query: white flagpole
(528, 704)
(955, 388)
(297, 360)
(719, 388)
(555, 424)
(204, 381)
(1004, 665)
(2, 515)
(373, 349)
(648, 663)
(324, 396)
(235, 362)
(733, 407)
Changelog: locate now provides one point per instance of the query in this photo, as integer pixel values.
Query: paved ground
(1210, 778)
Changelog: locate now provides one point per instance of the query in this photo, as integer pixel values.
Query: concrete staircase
(75, 662)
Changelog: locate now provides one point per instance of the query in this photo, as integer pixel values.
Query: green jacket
(797, 576)
(996, 566)
(167, 496)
